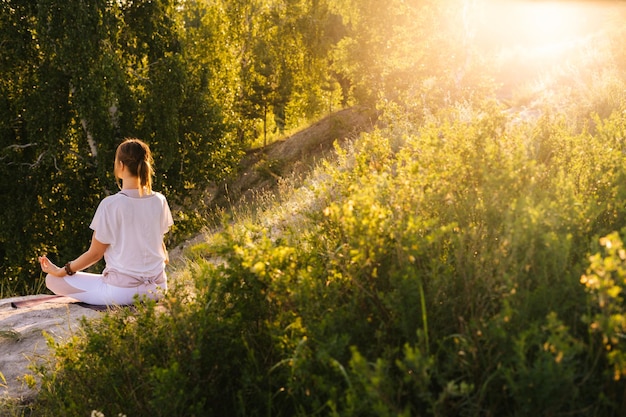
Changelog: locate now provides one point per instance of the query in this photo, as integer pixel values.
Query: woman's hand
(49, 268)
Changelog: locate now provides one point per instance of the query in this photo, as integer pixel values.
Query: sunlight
(536, 24)
(550, 22)
(531, 39)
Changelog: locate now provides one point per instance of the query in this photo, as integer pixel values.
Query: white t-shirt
(133, 227)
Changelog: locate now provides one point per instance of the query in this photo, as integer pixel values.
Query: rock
(22, 340)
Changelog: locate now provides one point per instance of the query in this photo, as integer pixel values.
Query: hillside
(443, 268)
(261, 168)
(22, 328)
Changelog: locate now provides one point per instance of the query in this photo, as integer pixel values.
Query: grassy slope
(263, 171)
(433, 270)
(262, 168)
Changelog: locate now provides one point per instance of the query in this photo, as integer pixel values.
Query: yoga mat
(59, 299)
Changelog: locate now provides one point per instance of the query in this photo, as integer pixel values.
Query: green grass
(13, 288)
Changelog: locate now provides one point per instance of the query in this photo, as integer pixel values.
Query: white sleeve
(166, 218)
(103, 223)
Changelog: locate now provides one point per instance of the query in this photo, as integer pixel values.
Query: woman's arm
(94, 254)
(91, 256)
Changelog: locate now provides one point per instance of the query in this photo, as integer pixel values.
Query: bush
(435, 271)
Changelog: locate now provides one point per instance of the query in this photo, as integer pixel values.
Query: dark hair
(136, 156)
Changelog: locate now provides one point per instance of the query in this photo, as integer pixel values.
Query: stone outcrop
(22, 340)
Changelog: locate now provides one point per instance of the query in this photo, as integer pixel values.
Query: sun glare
(536, 24)
(534, 40)
(550, 22)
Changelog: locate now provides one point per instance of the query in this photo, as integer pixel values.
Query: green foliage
(605, 280)
(433, 269)
(82, 77)
(392, 50)
(198, 81)
(436, 272)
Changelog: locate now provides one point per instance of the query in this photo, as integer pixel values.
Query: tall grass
(12, 287)
(429, 270)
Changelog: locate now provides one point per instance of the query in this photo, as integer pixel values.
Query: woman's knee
(50, 282)
(60, 286)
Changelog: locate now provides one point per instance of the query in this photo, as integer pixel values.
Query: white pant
(91, 289)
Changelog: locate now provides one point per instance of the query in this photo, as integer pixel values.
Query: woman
(128, 230)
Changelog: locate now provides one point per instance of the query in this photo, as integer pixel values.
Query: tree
(282, 54)
(76, 78)
(403, 51)
(45, 165)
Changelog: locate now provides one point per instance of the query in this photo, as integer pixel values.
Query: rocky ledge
(23, 321)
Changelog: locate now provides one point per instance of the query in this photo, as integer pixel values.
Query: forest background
(200, 81)
(464, 257)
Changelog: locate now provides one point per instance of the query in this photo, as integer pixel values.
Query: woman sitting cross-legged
(128, 230)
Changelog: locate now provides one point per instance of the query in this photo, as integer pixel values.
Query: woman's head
(135, 155)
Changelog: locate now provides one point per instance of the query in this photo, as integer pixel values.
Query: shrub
(437, 272)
